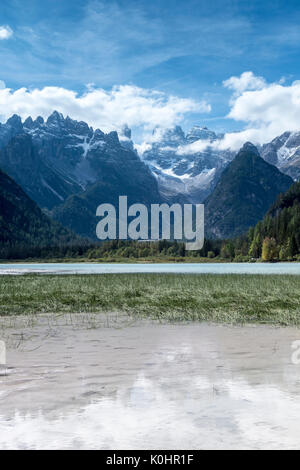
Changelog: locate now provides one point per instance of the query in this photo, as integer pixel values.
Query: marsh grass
(167, 297)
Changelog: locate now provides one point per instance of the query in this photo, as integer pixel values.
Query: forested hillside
(278, 235)
(24, 229)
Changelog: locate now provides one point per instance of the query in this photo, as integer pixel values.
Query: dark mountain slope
(126, 176)
(246, 190)
(44, 183)
(22, 222)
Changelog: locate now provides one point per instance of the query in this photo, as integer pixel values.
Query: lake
(176, 268)
(118, 385)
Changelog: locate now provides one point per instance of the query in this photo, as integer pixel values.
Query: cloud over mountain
(267, 109)
(108, 110)
(263, 110)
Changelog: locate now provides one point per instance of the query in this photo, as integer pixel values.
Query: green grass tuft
(169, 297)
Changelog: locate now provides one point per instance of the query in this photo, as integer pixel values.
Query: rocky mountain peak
(250, 148)
(15, 122)
(126, 131)
(246, 189)
(39, 121)
(56, 118)
(28, 123)
(201, 133)
(113, 137)
(77, 127)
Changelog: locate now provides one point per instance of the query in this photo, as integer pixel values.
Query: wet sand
(110, 383)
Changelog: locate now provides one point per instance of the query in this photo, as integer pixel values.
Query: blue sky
(182, 48)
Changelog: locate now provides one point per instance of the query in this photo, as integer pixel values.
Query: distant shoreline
(117, 260)
(184, 260)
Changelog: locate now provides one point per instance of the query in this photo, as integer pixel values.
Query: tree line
(275, 238)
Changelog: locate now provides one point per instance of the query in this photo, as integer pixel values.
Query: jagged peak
(15, 121)
(98, 133)
(55, 117)
(249, 147)
(201, 133)
(28, 123)
(39, 121)
(126, 131)
(113, 136)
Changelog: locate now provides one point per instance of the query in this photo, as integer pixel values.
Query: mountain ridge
(66, 156)
(243, 195)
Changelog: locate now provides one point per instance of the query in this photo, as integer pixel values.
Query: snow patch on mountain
(186, 163)
(284, 152)
(51, 189)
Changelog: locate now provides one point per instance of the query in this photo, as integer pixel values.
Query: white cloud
(143, 147)
(5, 32)
(267, 111)
(108, 110)
(264, 110)
(198, 146)
(247, 81)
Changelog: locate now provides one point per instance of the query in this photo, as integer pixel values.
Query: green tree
(270, 250)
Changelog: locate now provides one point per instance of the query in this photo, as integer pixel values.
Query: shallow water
(182, 268)
(147, 385)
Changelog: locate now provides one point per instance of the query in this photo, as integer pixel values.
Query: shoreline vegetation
(122, 260)
(231, 299)
(186, 260)
(163, 251)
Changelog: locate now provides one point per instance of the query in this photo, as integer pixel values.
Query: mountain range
(68, 168)
(192, 163)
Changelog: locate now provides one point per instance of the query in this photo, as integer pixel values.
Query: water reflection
(149, 386)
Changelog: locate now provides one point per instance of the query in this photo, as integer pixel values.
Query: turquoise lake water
(176, 268)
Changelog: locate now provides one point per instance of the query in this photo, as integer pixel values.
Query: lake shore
(153, 260)
(226, 298)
